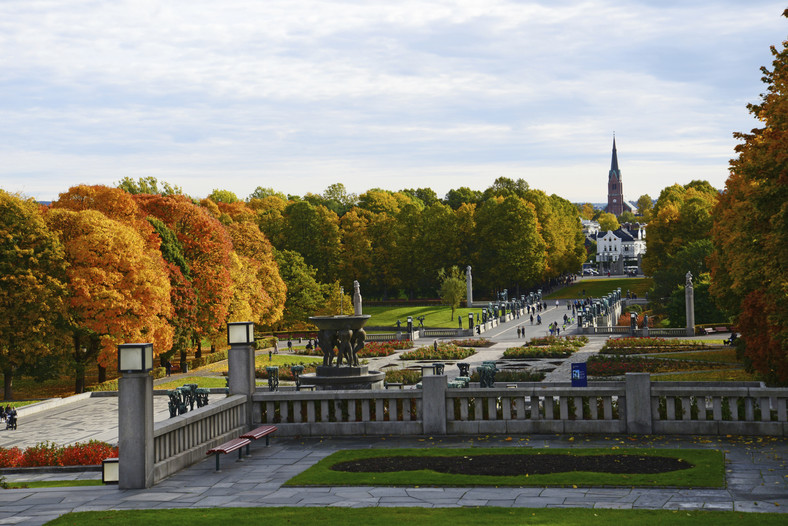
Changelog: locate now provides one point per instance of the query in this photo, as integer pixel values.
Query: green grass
(53, 483)
(201, 381)
(708, 470)
(17, 405)
(724, 355)
(434, 316)
(723, 375)
(596, 288)
(429, 516)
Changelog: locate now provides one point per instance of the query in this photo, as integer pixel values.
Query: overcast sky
(298, 94)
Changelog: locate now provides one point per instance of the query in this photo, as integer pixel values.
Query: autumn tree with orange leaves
(118, 288)
(750, 231)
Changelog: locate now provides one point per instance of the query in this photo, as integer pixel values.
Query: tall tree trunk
(198, 349)
(8, 383)
(102, 374)
(79, 374)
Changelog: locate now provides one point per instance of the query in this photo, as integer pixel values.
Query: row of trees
(397, 242)
(142, 262)
(101, 266)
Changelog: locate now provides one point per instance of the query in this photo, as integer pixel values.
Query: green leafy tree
(608, 221)
(463, 195)
(452, 288)
(262, 193)
(223, 196)
(32, 287)
(148, 185)
(505, 187)
(305, 295)
(645, 204)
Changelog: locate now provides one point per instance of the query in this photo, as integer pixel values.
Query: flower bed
(445, 351)
(631, 345)
(616, 366)
(573, 341)
(473, 342)
(49, 454)
(513, 376)
(554, 351)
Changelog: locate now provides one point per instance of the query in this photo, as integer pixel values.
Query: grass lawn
(430, 516)
(434, 316)
(723, 375)
(727, 355)
(596, 288)
(708, 470)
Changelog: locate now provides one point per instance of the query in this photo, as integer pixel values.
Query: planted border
(708, 469)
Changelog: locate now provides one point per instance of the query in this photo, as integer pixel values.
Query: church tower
(615, 189)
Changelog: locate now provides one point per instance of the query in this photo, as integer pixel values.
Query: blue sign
(579, 378)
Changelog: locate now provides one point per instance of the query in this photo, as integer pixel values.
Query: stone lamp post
(240, 361)
(135, 416)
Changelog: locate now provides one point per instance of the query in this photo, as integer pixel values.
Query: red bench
(722, 329)
(229, 447)
(260, 432)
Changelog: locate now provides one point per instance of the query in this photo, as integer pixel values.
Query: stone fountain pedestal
(337, 378)
(347, 334)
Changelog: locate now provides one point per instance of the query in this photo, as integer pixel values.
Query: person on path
(532, 319)
(276, 345)
(538, 319)
(435, 345)
(518, 333)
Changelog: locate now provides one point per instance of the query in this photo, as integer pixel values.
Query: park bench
(260, 432)
(235, 444)
(708, 330)
(722, 329)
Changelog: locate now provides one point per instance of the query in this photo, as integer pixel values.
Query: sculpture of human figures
(344, 347)
(689, 279)
(356, 298)
(327, 339)
(359, 336)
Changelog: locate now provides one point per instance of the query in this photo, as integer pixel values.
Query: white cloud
(299, 94)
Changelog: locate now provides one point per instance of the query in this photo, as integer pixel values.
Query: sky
(296, 95)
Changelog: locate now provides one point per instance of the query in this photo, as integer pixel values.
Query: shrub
(10, 457)
(513, 376)
(539, 352)
(42, 454)
(445, 351)
(573, 341)
(403, 376)
(473, 342)
(87, 454)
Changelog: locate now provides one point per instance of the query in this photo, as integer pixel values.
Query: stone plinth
(336, 378)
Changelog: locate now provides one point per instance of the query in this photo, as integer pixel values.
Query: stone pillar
(638, 403)
(240, 374)
(469, 286)
(433, 392)
(689, 302)
(135, 431)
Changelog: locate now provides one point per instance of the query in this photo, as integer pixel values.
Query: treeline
(102, 266)
(395, 243)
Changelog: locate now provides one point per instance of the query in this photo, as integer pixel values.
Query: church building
(615, 188)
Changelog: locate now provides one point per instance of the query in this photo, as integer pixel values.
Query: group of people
(8, 415)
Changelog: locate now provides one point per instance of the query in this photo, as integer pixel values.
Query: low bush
(473, 342)
(445, 351)
(513, 376)
(284, 371)
(539, 352)
(50, 454)
(403, 376)
(616, 366)
(573, 341)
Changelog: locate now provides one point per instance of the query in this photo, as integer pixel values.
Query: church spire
(614, 161)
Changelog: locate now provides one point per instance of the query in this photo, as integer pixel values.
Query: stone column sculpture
(469, 285)
(356, 299)
(689, 297)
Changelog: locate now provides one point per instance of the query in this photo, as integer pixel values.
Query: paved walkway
(756, 473)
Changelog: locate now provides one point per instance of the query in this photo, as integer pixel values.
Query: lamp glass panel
(110, 470)
(240, 333)
(148, 358)
(130, 359)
